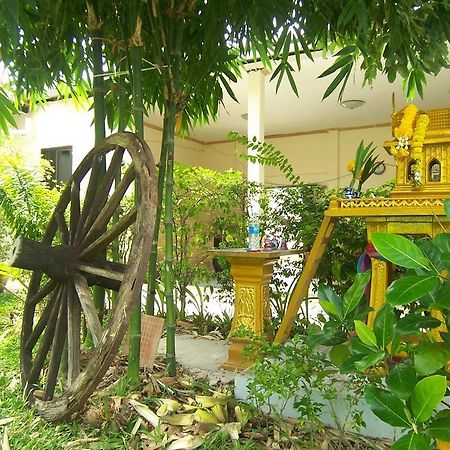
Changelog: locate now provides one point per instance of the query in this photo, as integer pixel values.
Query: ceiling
(285, 113)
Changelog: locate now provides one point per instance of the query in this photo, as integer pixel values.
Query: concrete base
(201, 356)
(375, 428)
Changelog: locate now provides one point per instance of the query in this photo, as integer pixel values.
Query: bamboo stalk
(152, 265)
(134, 329)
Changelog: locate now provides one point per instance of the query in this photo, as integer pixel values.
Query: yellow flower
(403, 152)
(351, 166)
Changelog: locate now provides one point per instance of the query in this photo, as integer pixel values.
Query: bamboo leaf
(345, 71)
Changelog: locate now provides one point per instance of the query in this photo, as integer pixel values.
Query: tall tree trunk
(153, 260)
(134, 330)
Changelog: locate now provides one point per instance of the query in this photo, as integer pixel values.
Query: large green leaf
(401, 380)
(384, 325)
(440, 428)
(365, 333)
(411, 441)
(442, 296)
(411, 324)
(388, 407)
(329, 308)
(409, 288)
(427, 395)
(399, 250)
(430, 358)
(353, 296)
(360, 347)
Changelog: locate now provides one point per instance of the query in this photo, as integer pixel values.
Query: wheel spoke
(109, 208)
(62, 226)
(57, 347)
(109, 236)
(101, 271)
(89, 310)
(41, 293)
(89, 197)
(74, 209)
(45, 345)
(73, 335)
(103, 191)
(42, 322)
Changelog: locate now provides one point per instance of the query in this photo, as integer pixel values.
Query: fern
(266, 155)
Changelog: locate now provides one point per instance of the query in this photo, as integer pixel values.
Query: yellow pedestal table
(251, 271)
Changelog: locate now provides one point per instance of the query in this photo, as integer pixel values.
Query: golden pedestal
(251, 271)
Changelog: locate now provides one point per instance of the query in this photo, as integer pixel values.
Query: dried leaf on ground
(186, 443)
(5, 442)
(6, 421)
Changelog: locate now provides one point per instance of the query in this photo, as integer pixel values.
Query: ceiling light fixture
(352, 104)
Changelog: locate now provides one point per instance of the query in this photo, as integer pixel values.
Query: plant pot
(442, 445)
(350, 192)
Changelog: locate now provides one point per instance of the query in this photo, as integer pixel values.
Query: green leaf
(410, 288)
(401, 380)
(326, 293)
(329, 308)
(353, 296)
(442, 241)
(341, 61)
(370, 360)
(359, 346)
(384, 325)
(440, 428)
(430, 358)
(411, 441)
(399, 250)
(339, 354)
(427, 395)
(386, 406)
(345, 72)
(365, 333)
(411, 324)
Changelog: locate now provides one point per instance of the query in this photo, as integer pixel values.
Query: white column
(255, 125)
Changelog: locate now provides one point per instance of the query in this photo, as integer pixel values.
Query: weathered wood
(103, 191)
(42, 322)
(92, 240)
(62, 226)
(73, 335)
(74, 209)
(103, 216)
(84, 295)
(101, 272)
(44, 346)
(57, 347)
(42, 292)
(109, 236)
(56, 262)
(89, 197)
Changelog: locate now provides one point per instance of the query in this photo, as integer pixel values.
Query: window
(434, 171)
(61, 160)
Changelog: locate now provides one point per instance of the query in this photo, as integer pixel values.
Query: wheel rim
(56, 305)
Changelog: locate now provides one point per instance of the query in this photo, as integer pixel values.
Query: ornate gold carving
(245, 308)
(379, 202)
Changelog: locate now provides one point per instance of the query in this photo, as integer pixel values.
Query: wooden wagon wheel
(72, 257)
